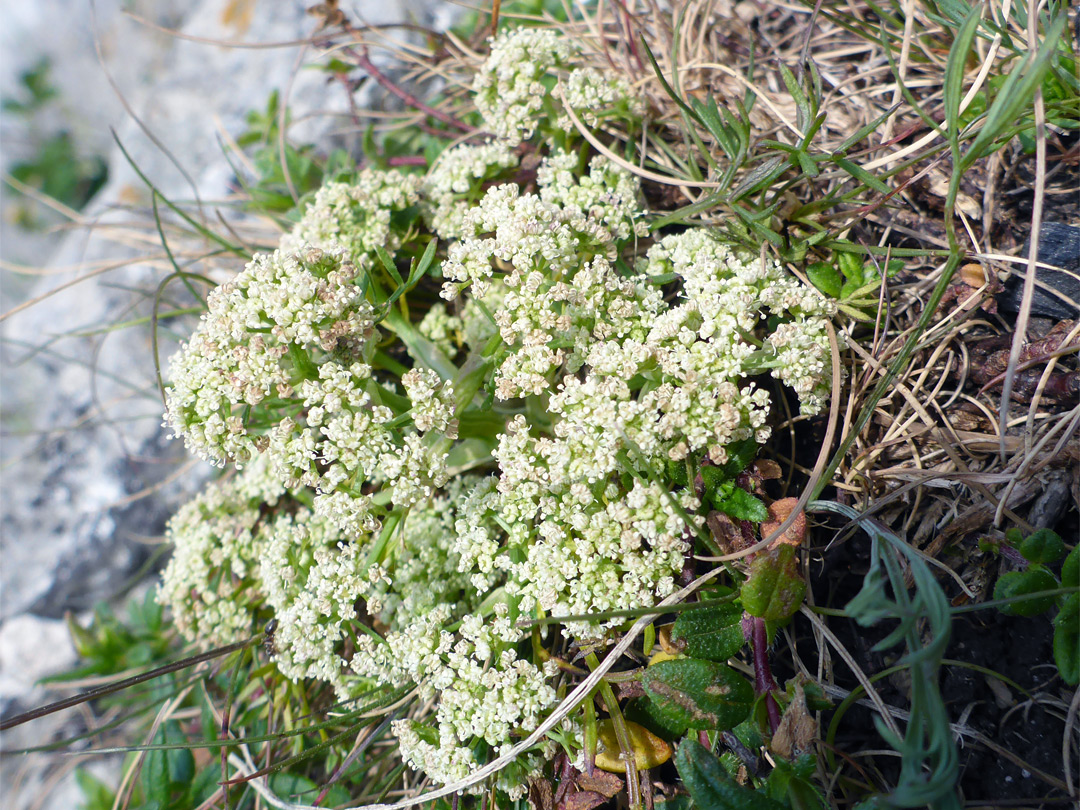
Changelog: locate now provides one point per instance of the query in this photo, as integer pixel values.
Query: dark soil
(1027, 722)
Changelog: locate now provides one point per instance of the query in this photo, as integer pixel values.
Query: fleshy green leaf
(709, 784)
(851, 265)
(740, 454)
(1067, 640)
(699, 694)
(1070, 569)
(794, 781)
(1020, 583)
(775, 588)
(645, 712)
(1044, 546)
(741, 505)
(826, 278)
(713, 633)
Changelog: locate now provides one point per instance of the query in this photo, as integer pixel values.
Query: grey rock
(85, 410)
(89, 477)
(1059, 245)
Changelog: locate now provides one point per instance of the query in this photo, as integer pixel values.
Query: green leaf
(826, 278)
(203, 786)
(761, 176)
(955, 67)
(647, 713)
(699, 694)
(296, 787)
(775, 588)
(1019, 583)
(866, 130)
(851, 265)
(1067, 640)
(804, 112)
(741, 505)
(794, 782)
(675, 803)
(709, 784)
(740, 454)
(181, 766)
(1070, 569)
(1044, 546)
(96, 794)
(816, 699)
(714, 633)
(1016, 92)
(155, 776)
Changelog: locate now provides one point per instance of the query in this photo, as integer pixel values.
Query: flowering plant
(420, 475)
(516, 421)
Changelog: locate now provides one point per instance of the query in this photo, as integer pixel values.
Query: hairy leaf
(1020, 583)
(775, 588)
(713, 633)
(1043, 546)
(1067, 640)
(709, 784)
(699, 694)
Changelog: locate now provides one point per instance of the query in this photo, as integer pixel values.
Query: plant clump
(422, 473)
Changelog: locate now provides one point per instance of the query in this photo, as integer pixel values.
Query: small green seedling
(852, 280)
(1040, 549)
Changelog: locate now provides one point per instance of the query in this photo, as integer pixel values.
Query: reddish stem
(364, 62)
(407, 160)
(764, 683)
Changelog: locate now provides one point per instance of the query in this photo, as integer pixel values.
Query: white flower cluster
(421, 570)
(261, 333)
(245, 550)
(584, 377)
(212, 582)
(513, 88)
(727, 295)
(630, 380)
(313, 580)
(432, 402)
(279, 364)
(455, 183)
(356, 216)
(509, 87)
(556, 300)
(442, 329)
(485, 690)
(595, 96)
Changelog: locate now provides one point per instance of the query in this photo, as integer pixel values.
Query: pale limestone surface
(82, 419)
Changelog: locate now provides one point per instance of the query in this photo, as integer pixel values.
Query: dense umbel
(415, 480)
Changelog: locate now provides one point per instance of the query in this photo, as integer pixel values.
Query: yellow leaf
(649, 750)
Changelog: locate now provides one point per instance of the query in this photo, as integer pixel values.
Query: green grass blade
(199, 228)
(1016, 93)
(953, 88)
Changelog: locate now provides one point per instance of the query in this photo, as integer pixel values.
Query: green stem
(622, 734)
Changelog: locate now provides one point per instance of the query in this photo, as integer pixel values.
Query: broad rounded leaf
(699, 694)
(1067, 640)
(1043, 546)
(775, 588)
(645, 712)
(740, 454)
(1020, 583)
(741, 505)
(826, 278)
(649, 750)
(712, 633)
(709, 784)
(1070, 569)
